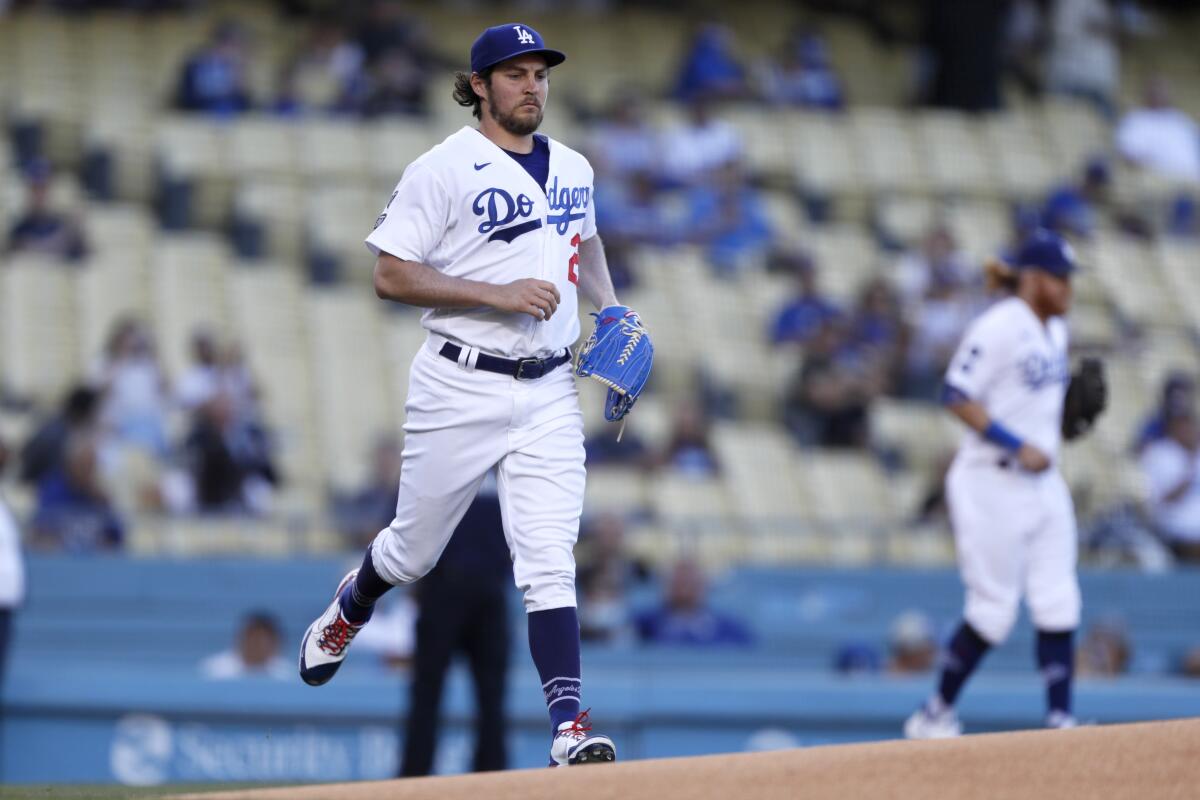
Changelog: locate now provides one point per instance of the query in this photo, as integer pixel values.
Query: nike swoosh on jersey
(481, 166)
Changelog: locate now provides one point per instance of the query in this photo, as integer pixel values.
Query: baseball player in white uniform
(493, 232)
(1011, 510)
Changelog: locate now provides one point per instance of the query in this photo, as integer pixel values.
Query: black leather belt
(523, 369)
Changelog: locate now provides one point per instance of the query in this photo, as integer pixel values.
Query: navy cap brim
(553, 57)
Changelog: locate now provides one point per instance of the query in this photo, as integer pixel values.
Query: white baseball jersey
(469, 210)
(1017, 369)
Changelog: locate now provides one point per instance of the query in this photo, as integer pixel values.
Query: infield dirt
(1142, 761)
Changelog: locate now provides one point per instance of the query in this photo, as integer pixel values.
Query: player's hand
(1031, 459)
(538, 299)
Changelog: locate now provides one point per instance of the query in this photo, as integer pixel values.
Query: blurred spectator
(40, 229)
(912, 646)
(1178, 396)
(630, 212)
(602, 447)
(1183, 217)
(202, 380)
(216, 370)
(856, 658)
(807, 311)
(803, 77)
(327, 68)
(12, 573)
(386, 26)
(74, 513)
(360, 516)
(1190, 663)
(709, 67)
(134, 389)
(1084, 59)
(689, 451)
(607, 572)
(1024, 42)
(45, 450)
(936, 326)
(1161, 138)
(938, 260)
(684, 618)
(463, 610)
(877, 327)
(827, 403)
(229, 460)
(395, 84)
(1071, 209)
(214, 79)
(255, 654)
(624, 144)
(727, 216)
(392, 634)
(700, 145)
(963, 54)
(1105, 651)
(1171, 468)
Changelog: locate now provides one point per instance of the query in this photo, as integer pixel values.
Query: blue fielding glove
(619, 355)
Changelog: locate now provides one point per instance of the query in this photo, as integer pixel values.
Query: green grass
(80, 791)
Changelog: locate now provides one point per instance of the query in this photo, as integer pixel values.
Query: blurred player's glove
(619, 355)
(1087, 395)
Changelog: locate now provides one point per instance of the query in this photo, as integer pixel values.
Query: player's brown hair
(999, 276)
(465, 96)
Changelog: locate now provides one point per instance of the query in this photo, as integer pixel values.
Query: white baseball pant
(462, 422)
(1015, 535)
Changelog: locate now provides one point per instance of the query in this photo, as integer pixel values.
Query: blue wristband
(998, 434)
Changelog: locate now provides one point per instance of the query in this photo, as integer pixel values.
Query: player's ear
(479, 85)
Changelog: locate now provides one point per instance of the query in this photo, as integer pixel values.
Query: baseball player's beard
(517, 126)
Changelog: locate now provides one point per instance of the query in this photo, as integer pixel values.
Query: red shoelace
(578, 727)
(336, 636)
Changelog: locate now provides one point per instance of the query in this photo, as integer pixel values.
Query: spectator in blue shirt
(804, 77)
(1071, 209)
(685, 618)
(709, 69)
(214, 79)
(41, 229)
(74, 513)
(804, 314)
(1178, 397)
(727, 216)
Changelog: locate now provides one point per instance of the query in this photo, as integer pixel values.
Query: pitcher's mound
(1143, 761)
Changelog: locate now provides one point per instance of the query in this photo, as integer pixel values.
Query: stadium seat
(353, 397)
(37, 327)
(953, 152)
(188, 273)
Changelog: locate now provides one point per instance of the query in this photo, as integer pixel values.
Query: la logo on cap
(523, 36)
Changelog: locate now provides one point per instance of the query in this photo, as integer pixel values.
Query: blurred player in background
(463, 609)
(1013, 519)
(12, 574)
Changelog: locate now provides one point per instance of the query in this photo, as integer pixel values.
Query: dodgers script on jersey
(468, 210)
(1017, 369)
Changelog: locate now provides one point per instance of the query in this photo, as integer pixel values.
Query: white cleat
(1061, 720)
(326, 641)
(925, 724)
(574, 743)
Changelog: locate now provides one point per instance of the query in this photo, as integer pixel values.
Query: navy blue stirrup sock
(367, 587)
(554, 645)
(960, 658)
(1054, 656)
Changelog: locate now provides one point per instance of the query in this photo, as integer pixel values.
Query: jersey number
(572, 275)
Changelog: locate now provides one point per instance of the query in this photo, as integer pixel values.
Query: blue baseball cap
(502, 42)
(1047, 251)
